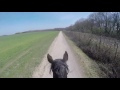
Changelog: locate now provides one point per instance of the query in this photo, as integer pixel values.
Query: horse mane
(57, 67)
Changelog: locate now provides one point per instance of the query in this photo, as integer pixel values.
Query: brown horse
(59, 66)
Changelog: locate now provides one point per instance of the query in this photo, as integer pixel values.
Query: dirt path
(56, 50)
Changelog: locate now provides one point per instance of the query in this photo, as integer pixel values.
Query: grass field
(21, 53)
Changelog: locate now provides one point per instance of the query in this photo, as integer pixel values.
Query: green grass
(21, 53)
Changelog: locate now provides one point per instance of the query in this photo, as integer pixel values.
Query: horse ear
(49, 58)
(65, 56)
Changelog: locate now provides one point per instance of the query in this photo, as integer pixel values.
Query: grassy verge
(90, 67)
(103, 50)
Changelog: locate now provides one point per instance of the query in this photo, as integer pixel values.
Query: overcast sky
(12, 22)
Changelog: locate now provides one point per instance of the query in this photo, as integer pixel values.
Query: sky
(13, 22)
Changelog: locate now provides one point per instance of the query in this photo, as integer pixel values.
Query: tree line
(100, 23)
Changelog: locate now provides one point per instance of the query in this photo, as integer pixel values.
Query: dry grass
(103, 50)
(90, 67)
